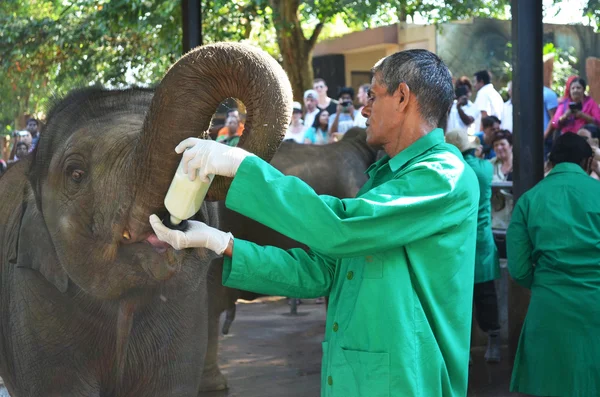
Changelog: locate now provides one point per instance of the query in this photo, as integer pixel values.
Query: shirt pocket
(372, 265)
(371, 372)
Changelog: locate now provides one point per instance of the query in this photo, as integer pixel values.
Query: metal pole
(191, 15)
(528, 127)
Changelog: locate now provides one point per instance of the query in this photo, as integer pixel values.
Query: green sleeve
(273, 271)
(431, 198)
(519, 248)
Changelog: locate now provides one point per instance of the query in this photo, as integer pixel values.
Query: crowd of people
(23, 143)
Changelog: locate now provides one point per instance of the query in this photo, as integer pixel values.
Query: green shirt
(486, 255)
(396, 262)
(553, 248)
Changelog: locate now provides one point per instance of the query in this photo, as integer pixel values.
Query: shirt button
(335, 327)
(350, 275)
(329, 380)
(369, 258)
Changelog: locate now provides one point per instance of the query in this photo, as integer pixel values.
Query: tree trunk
(402, 12)
(296, 50)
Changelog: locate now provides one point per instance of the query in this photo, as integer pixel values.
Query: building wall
(361, 63)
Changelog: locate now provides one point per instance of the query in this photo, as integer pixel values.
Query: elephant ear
(34, 248)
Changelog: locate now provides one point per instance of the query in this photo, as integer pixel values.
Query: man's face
(362, 96)
(310, 103)
(320, 87)
(490, 131)
(478, 83)
(232, 124)
(384, 117)
(32, 127)
(21, 151)
(345, 98)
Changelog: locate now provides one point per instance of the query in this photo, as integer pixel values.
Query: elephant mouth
(158, 245)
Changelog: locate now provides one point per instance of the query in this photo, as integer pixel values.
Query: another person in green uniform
(397, 261)
(487, 267)
(553, 248)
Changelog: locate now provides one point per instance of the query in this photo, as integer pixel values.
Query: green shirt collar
(423, 144)
(567, 167)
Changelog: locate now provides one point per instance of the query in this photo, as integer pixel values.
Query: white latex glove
(198, 235)
(210, 157)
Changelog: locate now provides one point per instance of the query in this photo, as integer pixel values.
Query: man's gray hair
(426, 76)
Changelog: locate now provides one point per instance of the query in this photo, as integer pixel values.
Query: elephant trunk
(183, 106)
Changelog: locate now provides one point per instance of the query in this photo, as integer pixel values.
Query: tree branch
(315, 34)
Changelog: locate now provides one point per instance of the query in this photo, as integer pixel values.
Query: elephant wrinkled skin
(92, 304)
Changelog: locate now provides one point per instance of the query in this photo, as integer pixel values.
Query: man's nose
(366, 111)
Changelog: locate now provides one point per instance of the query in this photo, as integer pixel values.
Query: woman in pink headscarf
(575, 109)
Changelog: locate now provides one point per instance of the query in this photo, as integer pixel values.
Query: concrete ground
(269, 353)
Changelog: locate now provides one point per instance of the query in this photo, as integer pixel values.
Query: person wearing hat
(295, 131)
(310, 108)
(487, 267)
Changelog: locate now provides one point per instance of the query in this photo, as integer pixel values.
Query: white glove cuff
(219, 242)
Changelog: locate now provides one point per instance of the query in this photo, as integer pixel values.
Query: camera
(575, 106)
(346, 105)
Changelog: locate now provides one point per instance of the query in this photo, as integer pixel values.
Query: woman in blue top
(318, 133)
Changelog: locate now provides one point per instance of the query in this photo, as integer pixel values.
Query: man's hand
(206, 157)
(199, 235)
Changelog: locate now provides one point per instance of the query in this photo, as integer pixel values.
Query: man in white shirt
(488, 101)
(310, 107)
(464, 115)
(507, 111)
(323, 100)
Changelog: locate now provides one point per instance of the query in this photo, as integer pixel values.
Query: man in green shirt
(397, 261)
(553, 249)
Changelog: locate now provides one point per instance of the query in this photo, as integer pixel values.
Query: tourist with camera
(575, 109)
(343, 119)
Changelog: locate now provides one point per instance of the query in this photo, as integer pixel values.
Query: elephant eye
(77, 175)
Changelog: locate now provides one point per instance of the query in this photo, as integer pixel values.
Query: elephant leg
(212, 378)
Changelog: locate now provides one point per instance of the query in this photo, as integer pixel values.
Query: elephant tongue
(156, 243)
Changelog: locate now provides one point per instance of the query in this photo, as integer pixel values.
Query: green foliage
(564, 66)
(50, 46)
(592, 11)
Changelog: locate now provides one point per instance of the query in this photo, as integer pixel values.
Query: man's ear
(403, 94)
(587, 165)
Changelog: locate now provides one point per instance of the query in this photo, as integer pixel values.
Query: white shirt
(456, 123)
(507, 116)
(309, 118)
(359, 119)
(490, 101)
(298, 137)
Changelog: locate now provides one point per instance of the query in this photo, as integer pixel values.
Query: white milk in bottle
(185, 197)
